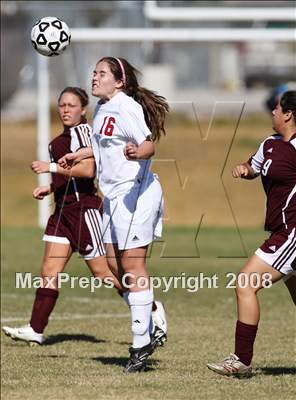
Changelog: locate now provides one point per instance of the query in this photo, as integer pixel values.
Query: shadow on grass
(276, 371)
(64, 337)
(123, 343)
(122, 361)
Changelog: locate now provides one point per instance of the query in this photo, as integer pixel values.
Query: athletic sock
(45, 300)
(245, 335)
(125, 297)
(141, 307)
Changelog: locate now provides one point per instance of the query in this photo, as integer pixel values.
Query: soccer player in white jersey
(128, 120)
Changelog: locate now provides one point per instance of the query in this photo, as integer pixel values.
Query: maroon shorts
(279, 251)
(79, 226)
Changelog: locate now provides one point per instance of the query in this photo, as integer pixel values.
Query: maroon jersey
(69, 190)
(275, 161)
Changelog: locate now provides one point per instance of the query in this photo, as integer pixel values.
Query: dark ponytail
(155, 108)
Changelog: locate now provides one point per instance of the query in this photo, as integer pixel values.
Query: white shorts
(134, 219)
(279, 251)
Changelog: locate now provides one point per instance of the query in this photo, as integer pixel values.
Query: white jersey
(117, 122)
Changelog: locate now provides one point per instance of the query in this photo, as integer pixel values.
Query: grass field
(89, 333)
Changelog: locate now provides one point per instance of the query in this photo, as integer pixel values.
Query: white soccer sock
(141, 308)
(151, 324)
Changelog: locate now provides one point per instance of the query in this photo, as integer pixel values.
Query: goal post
(43, 129)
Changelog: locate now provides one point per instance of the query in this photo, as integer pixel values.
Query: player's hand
(41, 191)
(240, 171)
(68, 160)
(40, 167)
(131, 151)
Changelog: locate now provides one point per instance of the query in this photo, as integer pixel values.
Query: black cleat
(158, 337)
(138, 358)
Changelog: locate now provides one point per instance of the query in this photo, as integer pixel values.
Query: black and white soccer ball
(50, 36)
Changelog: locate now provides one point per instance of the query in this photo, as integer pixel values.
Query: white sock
(141, 308)
(151, 325)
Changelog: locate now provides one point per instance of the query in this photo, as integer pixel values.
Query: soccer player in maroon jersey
(76, 223)
(275, 161)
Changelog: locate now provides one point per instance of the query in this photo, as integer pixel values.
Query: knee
(50, 269)
(49, 272)
(244, 289)
(100, 273)
(132, 265)
(105, 277)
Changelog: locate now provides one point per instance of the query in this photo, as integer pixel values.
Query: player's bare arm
(143, 152)
(244, 171)
(73, 158)
(84, 169)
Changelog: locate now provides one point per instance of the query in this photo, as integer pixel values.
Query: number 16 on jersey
(107, 126)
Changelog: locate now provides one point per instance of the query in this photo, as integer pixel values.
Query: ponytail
(155, 108)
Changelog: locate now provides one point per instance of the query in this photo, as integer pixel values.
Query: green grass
(89, 333)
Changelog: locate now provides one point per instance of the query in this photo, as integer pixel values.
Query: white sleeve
(257, 159)
(134, 125)
(80, 137)
(96, 152)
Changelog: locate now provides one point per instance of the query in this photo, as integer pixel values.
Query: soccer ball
(50, 36)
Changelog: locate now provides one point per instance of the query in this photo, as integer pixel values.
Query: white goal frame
(155, 13)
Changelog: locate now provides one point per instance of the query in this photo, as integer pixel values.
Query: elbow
(90, 173)
(150, 155)
(89, 170)
(152, 151)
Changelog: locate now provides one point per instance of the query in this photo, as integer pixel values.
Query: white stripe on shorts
(55, 239)
(97, 222)
(92, 219)
(283, 257)
(287, 204)
(286, 254)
